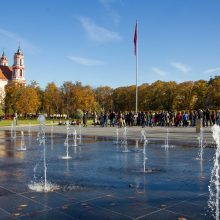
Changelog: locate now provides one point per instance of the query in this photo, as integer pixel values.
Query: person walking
(85, 119)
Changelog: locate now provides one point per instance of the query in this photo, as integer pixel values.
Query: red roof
(5, 72)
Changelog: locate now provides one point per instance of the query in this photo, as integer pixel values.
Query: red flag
(135, 40)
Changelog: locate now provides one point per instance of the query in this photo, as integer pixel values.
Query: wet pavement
(103, 182)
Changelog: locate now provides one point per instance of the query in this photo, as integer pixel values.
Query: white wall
(3, 83)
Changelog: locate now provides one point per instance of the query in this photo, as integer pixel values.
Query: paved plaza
(187, 135)
(101, 181)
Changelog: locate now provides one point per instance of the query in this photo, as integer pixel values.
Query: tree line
(70, 97)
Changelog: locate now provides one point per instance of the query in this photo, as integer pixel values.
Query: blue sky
(92, 40)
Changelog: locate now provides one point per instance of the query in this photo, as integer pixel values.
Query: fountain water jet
(144, 154)
(142, 140)
(66, 143)
(124, 141)
(80, 134)
(166, 142)
(13, 130)
(117, 137)
(201, 144)
(214, 185)
(42, 186)
(35, 170)
(74, 138)
(22, 145)
(143, 136)
(136, 145)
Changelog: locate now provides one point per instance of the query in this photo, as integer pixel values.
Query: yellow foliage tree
(103, 95)
(12, 91)
(214, 92)
(28, 101)
(52, 99)
(184, 96)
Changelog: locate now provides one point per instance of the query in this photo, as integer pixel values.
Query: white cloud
(108, 5)
(159, 71)
(181, 67)
(85, 61)
(17, 38)
(212, 70)
(98, 33)
(105, 3)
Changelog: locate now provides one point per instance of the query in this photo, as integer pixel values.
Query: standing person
(149, 119)
(195, 117)
(191, 118)
(85, 119)
(105, 119)
(101, 119)
(185, 119)
(207, 118)
(112, 119)
(16, 118)
(154, 119)
(95, 119)
(213, 117)
(218, 117)
(167, 119)
(135, 119)
(178, 119)
(119, 119)
(143, 119)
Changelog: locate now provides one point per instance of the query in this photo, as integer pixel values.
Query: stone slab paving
(112, 184)
(181, 135)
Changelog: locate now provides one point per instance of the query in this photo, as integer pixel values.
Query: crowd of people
(152, 119)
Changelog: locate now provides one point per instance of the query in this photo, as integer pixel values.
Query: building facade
(14, 73)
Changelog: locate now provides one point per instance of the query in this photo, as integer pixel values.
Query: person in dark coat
(85, 119)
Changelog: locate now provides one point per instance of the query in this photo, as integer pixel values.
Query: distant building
(14, 73)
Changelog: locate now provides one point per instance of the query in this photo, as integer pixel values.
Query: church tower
(3, 60)
(18, 67)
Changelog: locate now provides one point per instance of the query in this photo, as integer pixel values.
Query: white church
(14, 73)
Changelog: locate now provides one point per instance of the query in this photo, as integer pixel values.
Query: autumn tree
(200, 92)
(184, 96)
(40, 92)
(214, 92)
(12, 92)
(159, 94)
(124, 98)
(76, 96)
(28, 101)
(143, 96)
(103, 95)
(66, 92)
(52, 99)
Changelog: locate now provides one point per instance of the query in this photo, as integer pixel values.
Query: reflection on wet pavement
(103, 182)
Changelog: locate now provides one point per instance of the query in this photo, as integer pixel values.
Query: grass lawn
(8, 122)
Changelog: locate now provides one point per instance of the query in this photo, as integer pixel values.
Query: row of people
(162, 118)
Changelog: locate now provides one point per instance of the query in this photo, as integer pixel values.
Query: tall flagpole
(136, 53)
